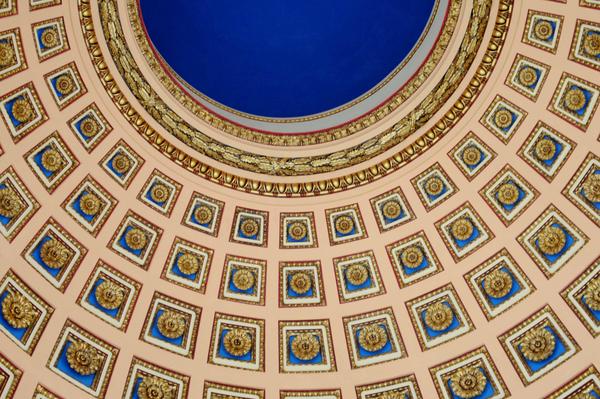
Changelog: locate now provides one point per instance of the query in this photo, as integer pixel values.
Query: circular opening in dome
(284, 59)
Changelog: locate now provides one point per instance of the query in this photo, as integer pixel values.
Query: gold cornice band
(290, 166)
(285, 139)
(332, 185)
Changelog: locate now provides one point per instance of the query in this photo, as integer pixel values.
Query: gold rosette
(545, 149)
(300, 283)
(52, 160)
(203, 214)
(54, 254)
(434, 186)
(10, 203)
(305, 346)
(591, 187)
(155, 388)
(90, 204)
(507, 194)
(249, 227)
(372, 338)
(497, 284)
(49, 37)
(237, 342)
(412, 257)
(439, 316)
(503, 118)
(592, 294)
(574, 99)
(121, 163)
(297, 230)
(344, 224)
(243, 279)
(18, 311)
(462, 229)
(136, 239)
(83, 358)
(468, 382)
(22, 110)
(188, 263)
(552, 240)
(391, 209)
(357, 274)
(471, 155)
(538, 344)
(171, 324)
(64, 84)
(159, 193)
(109, 295)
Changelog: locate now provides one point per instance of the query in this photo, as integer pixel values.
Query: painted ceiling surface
(285, 59)
(424, 225)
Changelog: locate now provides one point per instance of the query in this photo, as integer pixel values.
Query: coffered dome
(277, 199)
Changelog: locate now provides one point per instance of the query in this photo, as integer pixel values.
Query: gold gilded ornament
(243, 279)
(471, 155)
(136, 239)
(390, 395)
(298, 230)
(300, 282)
(412, 257)
(434, 186)
(468, 382)
(155, 388)
(528, 76)
(121, 163)
(18, 311)
(439, 316)
(249, 227)
(543, 30)
(551, 240)
(584, 395)
(203, 214)
(462, 229)
(507, 194)
(574, 99)
(89, 127)
(372, 338)
(237, 342)
(344, 224)
(591, 187)
(545, 149)
(54, 254)
(498, 283)
(160, 193)
(305, 346)
(64, 84)
(171, 324)
(391, 209)
(83, 358)
(90, 204)
(7, 54)
(592, 295)
(188, 263)
(49, 37)
(357, 274)
(22, 110)
(538, 344)
(591, 44)
(109, 295)
(52, 160)
(10, 203)
(503, 118)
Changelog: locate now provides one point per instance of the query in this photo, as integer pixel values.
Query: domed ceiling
(325, 200)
